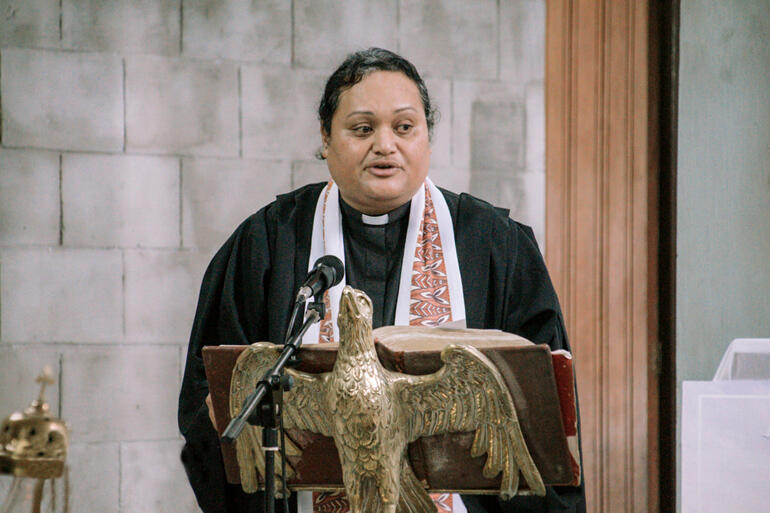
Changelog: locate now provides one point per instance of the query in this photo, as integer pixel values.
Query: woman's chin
(375, 195)
(384, 191)
(375, 203)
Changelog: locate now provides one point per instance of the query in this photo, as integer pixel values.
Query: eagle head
(355, 318)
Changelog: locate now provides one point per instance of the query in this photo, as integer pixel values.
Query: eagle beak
(347, 301)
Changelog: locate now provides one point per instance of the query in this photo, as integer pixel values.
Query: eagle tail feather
(368, 493)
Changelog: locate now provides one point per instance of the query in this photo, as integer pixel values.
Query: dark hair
(358, 65)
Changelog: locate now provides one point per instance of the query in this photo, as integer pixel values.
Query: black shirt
(374, 246)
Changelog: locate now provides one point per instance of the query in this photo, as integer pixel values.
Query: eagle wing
(469, 394)
(302, 409)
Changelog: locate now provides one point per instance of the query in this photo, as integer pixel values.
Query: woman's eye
(404, 128)
(362, 130)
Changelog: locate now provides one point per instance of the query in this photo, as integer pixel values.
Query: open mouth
(383, 169)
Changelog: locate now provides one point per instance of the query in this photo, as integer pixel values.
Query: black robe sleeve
(226, 314)
(246, 297)
(532, 307)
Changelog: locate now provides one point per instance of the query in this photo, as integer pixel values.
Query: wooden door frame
(610, 235)
(664, 51)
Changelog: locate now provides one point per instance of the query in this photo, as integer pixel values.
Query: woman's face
(378, 150)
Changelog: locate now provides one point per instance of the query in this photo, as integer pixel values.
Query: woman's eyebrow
(356, 112)
(370, 113)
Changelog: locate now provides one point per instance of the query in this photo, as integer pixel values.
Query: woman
(424, 256)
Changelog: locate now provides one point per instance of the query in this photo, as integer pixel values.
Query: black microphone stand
(265, 410)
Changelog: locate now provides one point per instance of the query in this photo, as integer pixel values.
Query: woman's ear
(324, 143)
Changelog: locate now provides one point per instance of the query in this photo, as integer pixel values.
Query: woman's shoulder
(280, 216)
(287, 206)
(471, 212)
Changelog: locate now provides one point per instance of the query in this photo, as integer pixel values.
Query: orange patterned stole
(429, 299)
(330, 502)
(335, 502)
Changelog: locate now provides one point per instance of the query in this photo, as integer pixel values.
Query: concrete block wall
(136, 135)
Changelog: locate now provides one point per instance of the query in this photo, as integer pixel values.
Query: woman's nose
(384, 142)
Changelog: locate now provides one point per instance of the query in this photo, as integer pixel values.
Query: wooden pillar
(601, 237)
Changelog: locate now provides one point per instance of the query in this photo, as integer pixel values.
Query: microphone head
(333, 264)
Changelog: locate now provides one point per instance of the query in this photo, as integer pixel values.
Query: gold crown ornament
(34, 443)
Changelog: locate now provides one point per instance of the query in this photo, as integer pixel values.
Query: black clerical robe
(249, 288)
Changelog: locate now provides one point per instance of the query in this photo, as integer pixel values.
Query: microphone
(327, 272)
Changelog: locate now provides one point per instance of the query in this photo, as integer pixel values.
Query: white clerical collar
(375, 220)
(379, 220)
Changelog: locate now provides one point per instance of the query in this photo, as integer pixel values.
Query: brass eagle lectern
(373, 414)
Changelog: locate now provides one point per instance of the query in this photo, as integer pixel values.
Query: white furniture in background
(745, 358)
(726, 434)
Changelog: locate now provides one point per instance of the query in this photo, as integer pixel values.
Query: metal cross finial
(45, 378)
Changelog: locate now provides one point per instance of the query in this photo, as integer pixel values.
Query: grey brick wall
(61, 100)
(136, 135)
